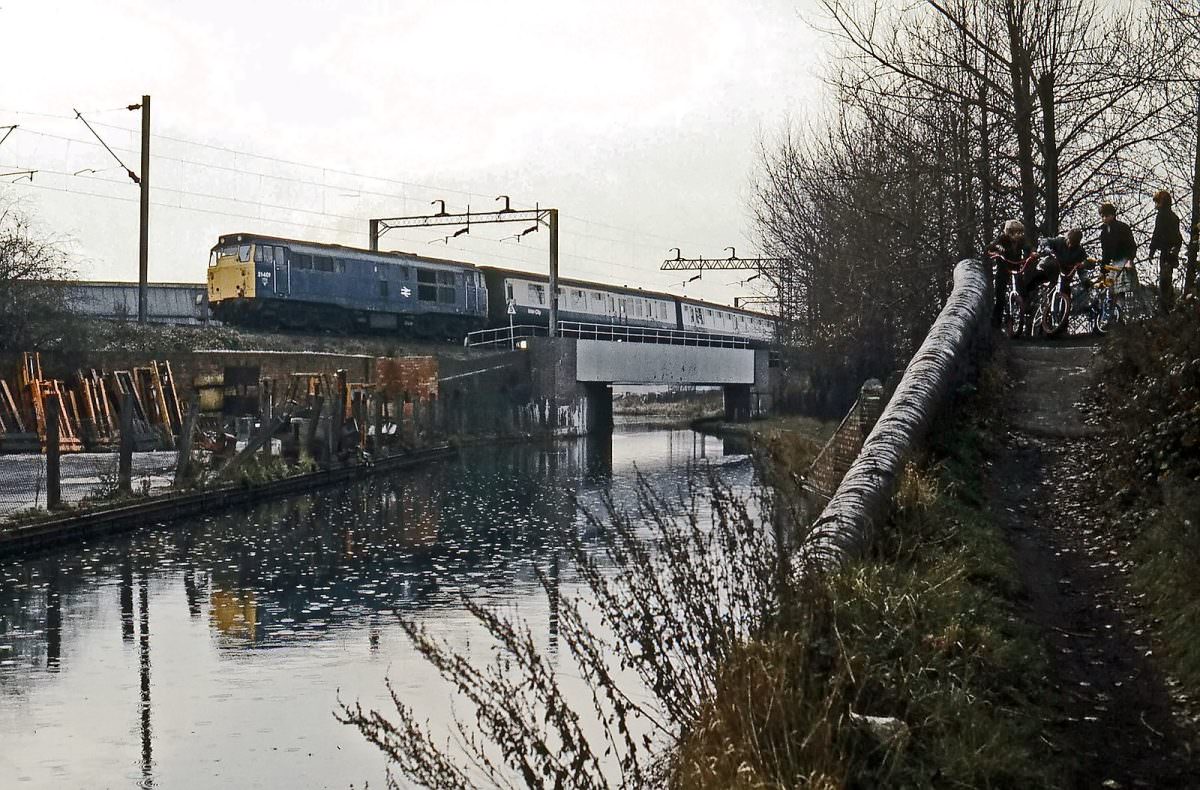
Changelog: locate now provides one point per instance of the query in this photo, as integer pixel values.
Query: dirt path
(1117, 715)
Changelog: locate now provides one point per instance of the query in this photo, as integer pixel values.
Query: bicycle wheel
(1057, 313)
(1108, 316)
(1016, 312)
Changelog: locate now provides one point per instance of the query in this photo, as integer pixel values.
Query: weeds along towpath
(1117, 715)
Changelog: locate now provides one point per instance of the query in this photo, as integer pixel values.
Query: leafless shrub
(686, 587)
(33, 265)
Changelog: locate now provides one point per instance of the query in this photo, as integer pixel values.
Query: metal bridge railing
(509, 336)
(645, 334)
(503, 337)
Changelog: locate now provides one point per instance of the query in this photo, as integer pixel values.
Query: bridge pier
(738, 402)
(598, 406)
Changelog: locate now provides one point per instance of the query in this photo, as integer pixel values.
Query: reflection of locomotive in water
(283, 283)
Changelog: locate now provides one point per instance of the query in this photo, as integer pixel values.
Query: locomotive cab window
(244, 253)
(435, 286)
(446, 288)
(426, 285)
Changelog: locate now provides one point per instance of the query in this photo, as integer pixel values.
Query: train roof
(227, 238)
(627, 290)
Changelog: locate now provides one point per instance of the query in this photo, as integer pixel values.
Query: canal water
(213, 652)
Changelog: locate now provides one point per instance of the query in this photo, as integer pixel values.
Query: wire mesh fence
(83, 477)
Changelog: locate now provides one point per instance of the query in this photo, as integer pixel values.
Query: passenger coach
(274, 282)
(604, 304)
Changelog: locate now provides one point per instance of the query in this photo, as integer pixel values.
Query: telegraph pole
(144, 223)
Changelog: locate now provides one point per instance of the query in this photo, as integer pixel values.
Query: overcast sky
(638, 120)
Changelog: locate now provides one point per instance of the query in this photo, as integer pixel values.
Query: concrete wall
(166, 303)
(652, 363)
(574, 407)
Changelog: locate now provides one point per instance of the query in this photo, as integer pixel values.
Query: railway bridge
(575, 371)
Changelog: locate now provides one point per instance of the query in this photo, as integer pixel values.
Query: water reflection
(261, 616)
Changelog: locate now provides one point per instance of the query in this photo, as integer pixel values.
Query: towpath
(1118, 714)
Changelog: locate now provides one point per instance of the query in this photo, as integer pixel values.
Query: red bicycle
(1056, 305)
(1014, 314)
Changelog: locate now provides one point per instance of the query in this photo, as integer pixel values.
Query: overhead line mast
(537, 215)
(787, 298)
(143, 182)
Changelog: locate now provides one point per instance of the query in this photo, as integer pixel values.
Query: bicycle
(1105, 307)
(1014, 316)
(1055, 311)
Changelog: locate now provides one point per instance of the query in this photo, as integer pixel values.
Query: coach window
(508, 291)
(537, 294)
(323, 263)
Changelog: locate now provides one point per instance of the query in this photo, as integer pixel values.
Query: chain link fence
(83, 477)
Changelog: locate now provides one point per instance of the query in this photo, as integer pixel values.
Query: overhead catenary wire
(268, 158)
(348, 218)
(343, 232)
(626, 242)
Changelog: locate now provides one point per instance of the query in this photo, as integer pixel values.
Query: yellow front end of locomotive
(231, 274)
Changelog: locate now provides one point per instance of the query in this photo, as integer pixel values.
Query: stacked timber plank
(90, 408)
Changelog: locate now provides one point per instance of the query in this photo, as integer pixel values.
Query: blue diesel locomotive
(273, 282)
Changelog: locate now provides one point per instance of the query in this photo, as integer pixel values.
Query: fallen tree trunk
(863, 499)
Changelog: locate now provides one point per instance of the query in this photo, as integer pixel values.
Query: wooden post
(310, 439)
(125, 463)
(341, 405)
(53, 450)
(378, 448)
(183, 458)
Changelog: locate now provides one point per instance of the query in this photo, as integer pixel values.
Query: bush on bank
(1149, 389)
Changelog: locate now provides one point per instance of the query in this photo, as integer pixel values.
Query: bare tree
(1178, 77)
(32, 268)
(1068, 80)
